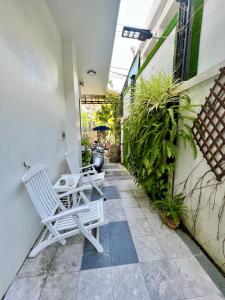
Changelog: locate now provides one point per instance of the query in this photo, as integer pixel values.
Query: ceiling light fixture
(91, 72)
(136, 33)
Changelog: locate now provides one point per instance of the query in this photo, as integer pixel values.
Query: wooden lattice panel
(209, 127)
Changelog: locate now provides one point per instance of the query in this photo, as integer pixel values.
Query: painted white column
(122, 140)
(72, 96)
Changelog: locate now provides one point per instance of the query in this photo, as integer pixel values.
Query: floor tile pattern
(143, 259)
(118, 245)
(110, 192)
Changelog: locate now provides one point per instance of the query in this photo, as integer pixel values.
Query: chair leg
(63, 242)
(52, 238)
(89, 235)
(98, 189)
(94, 241)
(84, 197)
(97, 234)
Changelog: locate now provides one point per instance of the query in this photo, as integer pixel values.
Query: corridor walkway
(142, 259)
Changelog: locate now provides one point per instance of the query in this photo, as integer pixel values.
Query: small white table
(71, 182)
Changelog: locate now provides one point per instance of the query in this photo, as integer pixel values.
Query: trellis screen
(209, 127)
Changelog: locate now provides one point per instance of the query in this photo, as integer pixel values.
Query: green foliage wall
(151, 132)
(194, 41)
(125, 143)
(109, 114)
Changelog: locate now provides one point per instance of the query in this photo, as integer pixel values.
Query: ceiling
(91, 24)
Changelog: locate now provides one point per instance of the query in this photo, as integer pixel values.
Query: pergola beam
(94, 99)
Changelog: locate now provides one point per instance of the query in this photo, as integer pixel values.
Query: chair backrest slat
(32, 193)
(50, 190)
(32, 188)
(42, 195)
(72, 162)
(41, 191)
(46, 191)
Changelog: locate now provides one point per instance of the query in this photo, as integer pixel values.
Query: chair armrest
(87, 166)
(76, 190)
(67, 213)
(92, 166)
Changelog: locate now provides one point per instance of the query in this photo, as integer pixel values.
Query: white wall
(160, 15)
(161, 62)
(32, 119)
(72, 95)
(207, 221)
(212, 41)
(163, 59)
(126, 112)
(126, 104)
(211, 55)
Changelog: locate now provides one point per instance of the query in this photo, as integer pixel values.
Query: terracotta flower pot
(168, 221)
(114, 153)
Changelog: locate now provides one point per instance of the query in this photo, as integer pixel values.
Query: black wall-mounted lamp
(136, 33)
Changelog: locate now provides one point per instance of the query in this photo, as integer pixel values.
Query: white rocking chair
(89, 175)
(60, 222)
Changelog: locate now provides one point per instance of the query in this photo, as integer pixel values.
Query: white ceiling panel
(91, 24)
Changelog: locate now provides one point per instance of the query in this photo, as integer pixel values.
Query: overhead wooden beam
(94, 99)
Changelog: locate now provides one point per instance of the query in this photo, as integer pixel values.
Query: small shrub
(173, 207)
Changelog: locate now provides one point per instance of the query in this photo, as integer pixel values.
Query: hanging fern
(152, 130)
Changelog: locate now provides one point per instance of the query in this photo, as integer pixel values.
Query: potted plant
(171, 209)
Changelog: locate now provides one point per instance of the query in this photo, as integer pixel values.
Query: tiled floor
(110, 192)
(118, 245)
(142, 258)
